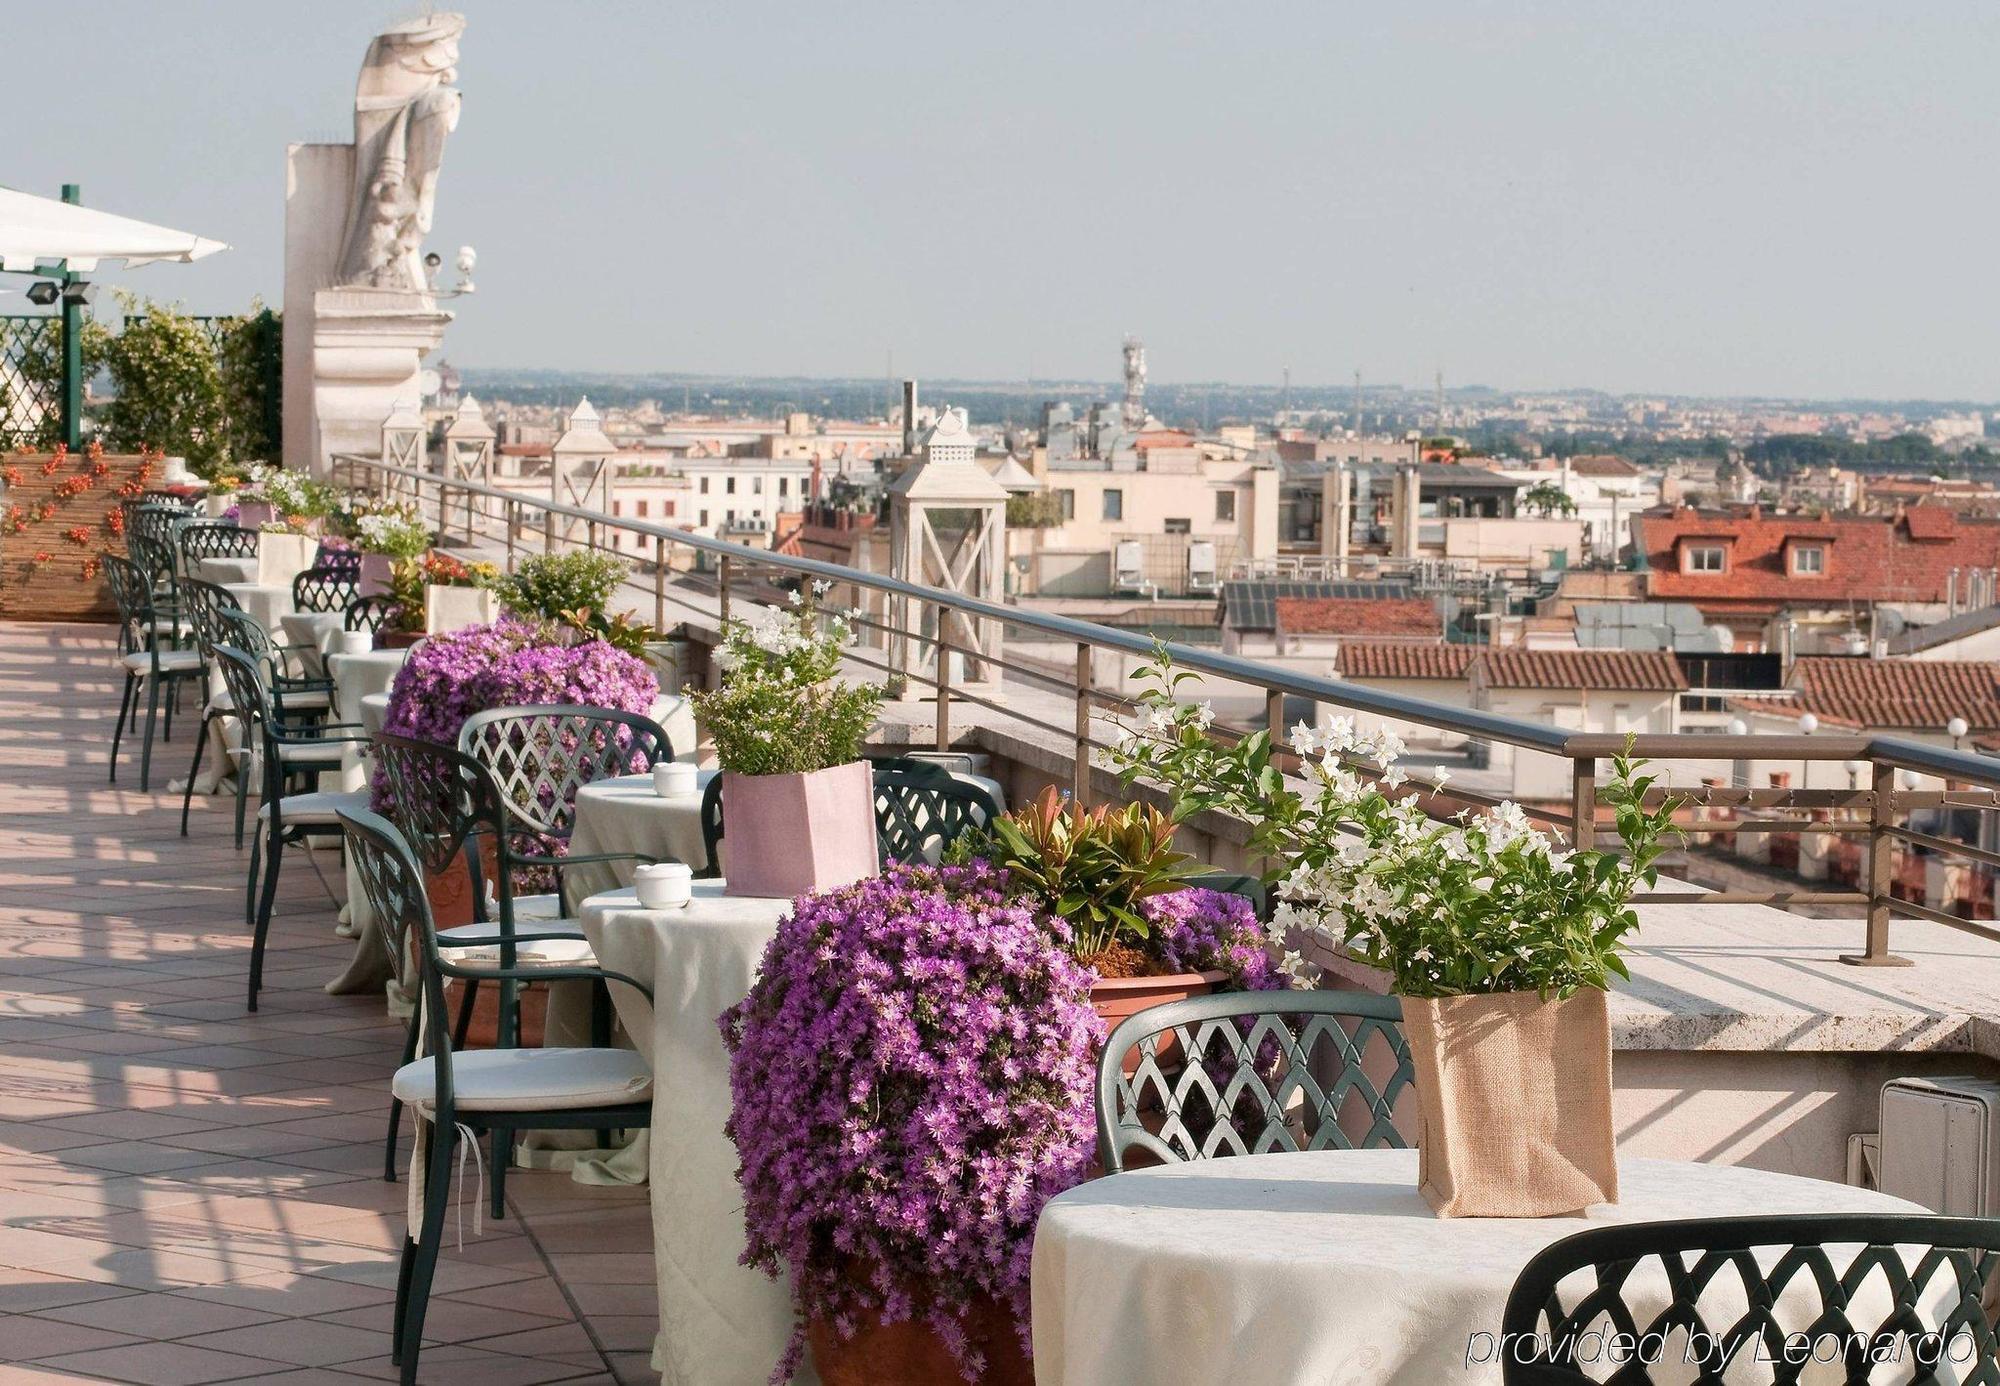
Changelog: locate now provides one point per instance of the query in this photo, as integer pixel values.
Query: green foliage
(783, 708)
(169, 389)
(547, 585)
(249, 360)
(1547, 498)
(1483, 903)
(1034, 510)
(1090, 867)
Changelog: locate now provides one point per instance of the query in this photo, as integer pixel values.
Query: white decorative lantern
(404, 438)
(948, 530)
(580, 473)
(468, 444)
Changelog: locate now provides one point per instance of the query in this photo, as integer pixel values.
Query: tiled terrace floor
(191, 1194)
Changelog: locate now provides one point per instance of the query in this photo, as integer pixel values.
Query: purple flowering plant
(511, 663)
(912, 1080)
(1198, 930)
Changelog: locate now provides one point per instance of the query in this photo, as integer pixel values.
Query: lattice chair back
(921, 808)
(132, 593)
(1243, 1073)
(155, 523)
(370, 613)
(204, 602)
(245, 681)
(214, 539)
(342, 559)
(1752, 1300)
(540, 756)
(325, 589)
(154, 557)
(437, 798)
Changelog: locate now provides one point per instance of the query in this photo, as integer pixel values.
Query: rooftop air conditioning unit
(1941, 1144)
(1201, 568)
(1128, 570)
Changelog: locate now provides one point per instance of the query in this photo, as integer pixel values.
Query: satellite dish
(430, 382)
(1723, 637)
(1889, 622)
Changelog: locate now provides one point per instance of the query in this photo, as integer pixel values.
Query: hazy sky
(1690, 197)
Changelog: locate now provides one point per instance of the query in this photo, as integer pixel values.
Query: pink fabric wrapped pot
(375, 571)
(785, 835)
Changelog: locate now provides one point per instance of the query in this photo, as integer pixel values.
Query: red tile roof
(1603, 464)
(1645, 670)
(1359, 616)
(1903, 694)
(1907, 558)
(1392, 659)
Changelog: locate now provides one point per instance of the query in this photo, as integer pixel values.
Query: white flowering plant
(783, 707)
(1484, 902)
(398, 531)
(293, 494)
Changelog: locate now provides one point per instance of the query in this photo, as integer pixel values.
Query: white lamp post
(947, 529)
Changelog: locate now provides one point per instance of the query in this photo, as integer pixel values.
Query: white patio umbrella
(43, 232)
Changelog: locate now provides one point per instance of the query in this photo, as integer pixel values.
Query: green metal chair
(1246, 1072)
(326, 589)
(541, 755)
(1738, 1288)
(152, 655)
(921, 808)
(291, 754)
(201, 539)
(298, 698)
(370, 613)
(491, 1091)
(711, 829)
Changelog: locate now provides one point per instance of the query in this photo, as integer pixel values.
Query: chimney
(909, 417)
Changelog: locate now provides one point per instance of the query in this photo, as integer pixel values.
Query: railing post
(513, 518)
(1583, 804)
(1274, 721)
(548, 531)
(1879, 874)
(722, 587)
(660, 582)
(1080, 771)
(943, 682)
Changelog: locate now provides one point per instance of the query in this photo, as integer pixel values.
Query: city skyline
(1541, 199)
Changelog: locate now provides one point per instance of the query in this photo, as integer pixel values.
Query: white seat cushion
(530, 1080)
(306, 700)
(481, 943)
(536, 907)
(171, 661)
(312, 752)
(320, 806)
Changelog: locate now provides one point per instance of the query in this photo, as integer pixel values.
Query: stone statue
(404, 106)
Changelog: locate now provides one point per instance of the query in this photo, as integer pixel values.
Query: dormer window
(1809, 560)
(1702, 558)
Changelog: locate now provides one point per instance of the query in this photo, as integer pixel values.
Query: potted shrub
(1500, 943)
(1113, 878)
(455, 594)
(386, 534)
(912, 1081)
(798, 802)
(285, 548)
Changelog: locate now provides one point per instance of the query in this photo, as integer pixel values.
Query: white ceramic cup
(673, 779)
(665, 885)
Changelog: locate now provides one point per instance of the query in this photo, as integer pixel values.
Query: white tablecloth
(1322, 1267)
(720, 1323)
(230, 572)
(268, 603)
(356, 678)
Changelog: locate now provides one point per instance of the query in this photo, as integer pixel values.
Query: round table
(720, 1322)
(1325, 1266)
(357, 678)
(267, 603)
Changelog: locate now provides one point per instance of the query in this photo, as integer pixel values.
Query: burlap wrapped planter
(1515, 1098)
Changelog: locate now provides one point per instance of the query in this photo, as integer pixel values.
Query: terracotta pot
(911, 1354)
(397, 639)
(450, 893)
(785, 835)
(1114, 998)
(374, 573)
(1515, 1097)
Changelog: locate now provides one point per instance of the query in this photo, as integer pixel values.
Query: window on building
(641, 508)
(729, 517)
(784, 485)
(618, 507)
(1179, 527)
(1114, 503)
(756, 485)
(667, 509)
(704, 519)
(704, 485)
(1706, 558)
(729, 486)
(1225, 506)
(1066, 504)
(1809, 560)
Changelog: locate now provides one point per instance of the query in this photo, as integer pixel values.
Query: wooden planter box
(57, 515)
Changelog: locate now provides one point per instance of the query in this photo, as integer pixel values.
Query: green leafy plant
(1485, 902)
(547, 585)
(783, 707)
(616, 629)
(1090, 867)
(1546, 498)
(168, 387)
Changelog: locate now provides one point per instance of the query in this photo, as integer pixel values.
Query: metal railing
(1875, 813)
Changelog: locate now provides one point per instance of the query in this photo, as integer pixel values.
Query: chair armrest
(583, 859)
(563, 973)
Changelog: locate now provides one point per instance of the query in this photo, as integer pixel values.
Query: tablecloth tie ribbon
(468, 1144)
